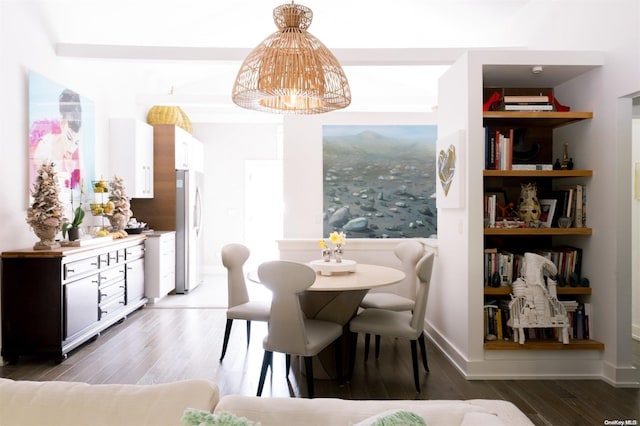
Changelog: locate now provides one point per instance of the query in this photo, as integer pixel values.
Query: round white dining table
(336, 298)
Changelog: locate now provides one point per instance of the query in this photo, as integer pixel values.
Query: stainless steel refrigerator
(189, 186)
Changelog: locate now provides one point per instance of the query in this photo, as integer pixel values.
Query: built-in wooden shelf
(537, 231)
(536, 118)
(505, 291)
(545, 345)
(538, 173)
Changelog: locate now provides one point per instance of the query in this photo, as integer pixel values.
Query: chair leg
(338, 353)
(423, 349)
(353, 343)
(227, 332)
(248, 332)
(287, 358)
(414, 361)
(308, 367)
(367, 339)
(377, 346)
(266, 362)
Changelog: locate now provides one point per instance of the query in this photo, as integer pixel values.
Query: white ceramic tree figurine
(45, 214)
(121, 204)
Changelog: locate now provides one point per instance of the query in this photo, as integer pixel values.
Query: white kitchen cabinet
(160, 265)
(183, 141)
(131, 148)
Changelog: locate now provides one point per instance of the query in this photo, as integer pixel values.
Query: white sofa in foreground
(70, 404)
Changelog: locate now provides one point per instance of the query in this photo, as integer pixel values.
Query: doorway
(263, 209)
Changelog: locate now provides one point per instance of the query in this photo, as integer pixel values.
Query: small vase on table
(337, 254)
(326, 254)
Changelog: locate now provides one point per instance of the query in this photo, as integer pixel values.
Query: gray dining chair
(290, 332)
(240, 307)
(404, 298)
(399, 324)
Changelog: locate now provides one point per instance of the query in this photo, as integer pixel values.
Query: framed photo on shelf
(547, 210)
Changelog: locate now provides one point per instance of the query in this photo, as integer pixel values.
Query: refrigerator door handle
(197, 220)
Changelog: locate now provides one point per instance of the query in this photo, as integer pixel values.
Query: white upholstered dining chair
(399, 324)
(240, 307)
(290, 332)
(404, 297)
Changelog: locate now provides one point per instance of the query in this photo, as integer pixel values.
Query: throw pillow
(393, 418)
(193, 417)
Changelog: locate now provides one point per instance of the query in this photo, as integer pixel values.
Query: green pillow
(193, 417)
(394, 418)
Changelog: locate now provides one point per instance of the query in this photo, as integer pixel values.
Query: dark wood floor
(162, 345)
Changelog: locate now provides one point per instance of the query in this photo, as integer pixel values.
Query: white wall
(226, 148)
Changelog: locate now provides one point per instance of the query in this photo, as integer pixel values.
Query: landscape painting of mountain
(380, 180)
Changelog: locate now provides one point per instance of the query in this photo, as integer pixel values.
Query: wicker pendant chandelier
(291, 71)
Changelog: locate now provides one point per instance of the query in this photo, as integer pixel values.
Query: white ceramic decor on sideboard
(131, 155)
(160, 272)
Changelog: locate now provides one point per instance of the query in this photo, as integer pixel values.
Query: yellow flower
(322, 244)
(338, 238)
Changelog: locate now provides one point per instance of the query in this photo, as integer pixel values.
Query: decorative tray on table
(333, 267)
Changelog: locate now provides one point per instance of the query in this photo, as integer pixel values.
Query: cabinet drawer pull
(70, 271)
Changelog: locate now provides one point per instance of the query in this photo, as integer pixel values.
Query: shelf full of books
(519, 125)
(563, 210)
(499, 336)
(503, 267)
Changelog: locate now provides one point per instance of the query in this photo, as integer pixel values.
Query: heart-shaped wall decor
(446, 167)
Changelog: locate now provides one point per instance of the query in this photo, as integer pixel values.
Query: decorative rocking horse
(535, 304)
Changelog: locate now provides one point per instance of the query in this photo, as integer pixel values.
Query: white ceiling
(222, 32)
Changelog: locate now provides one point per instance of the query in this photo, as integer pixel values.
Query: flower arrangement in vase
(339, 240)
(73, 227)
(45, 213)
(121, 205)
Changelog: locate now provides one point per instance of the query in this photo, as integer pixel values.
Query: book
(509, 99)
(506, 268)
(498, 319)
(532, 107)
(489, 265)
(487, 148)
(588, 318)
(499, 149)
(574, 202)
(532, 167)
(492, 211)
(579, 329)
(578, 211)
